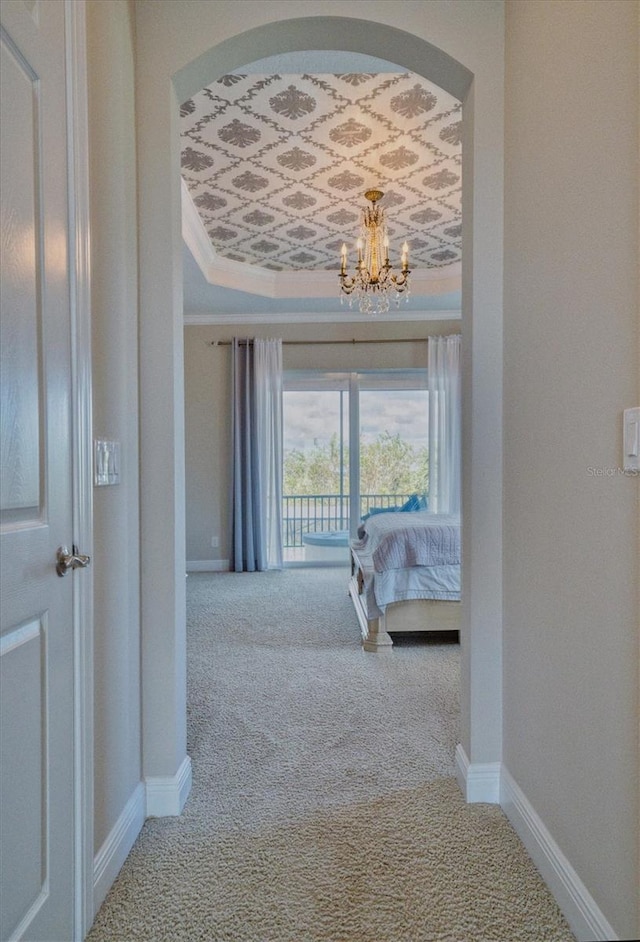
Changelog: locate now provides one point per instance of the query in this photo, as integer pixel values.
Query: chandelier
(373, 278)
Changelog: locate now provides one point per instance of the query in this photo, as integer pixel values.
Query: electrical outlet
(215, 542)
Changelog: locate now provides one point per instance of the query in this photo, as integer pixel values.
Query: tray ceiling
(277, 166)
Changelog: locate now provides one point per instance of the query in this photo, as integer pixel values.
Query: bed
(405, 575)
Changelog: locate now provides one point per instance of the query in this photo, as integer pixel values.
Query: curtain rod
(303, 343)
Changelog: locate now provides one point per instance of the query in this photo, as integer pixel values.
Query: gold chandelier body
(373, 279)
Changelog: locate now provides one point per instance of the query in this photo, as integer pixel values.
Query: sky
(310, 416)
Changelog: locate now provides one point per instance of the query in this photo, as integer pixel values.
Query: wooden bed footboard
(410, 615)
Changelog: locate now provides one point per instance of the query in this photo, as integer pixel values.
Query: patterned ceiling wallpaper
(277, 166)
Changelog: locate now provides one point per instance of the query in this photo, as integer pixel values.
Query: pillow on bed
(415, 502)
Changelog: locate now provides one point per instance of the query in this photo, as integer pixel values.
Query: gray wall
(208, 402)
(571, 367)
(114, 302)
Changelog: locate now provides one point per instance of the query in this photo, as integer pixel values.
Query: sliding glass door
(354, 443)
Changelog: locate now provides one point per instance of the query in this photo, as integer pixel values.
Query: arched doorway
(163, 612)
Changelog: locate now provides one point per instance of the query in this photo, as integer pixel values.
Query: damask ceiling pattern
(277, 166)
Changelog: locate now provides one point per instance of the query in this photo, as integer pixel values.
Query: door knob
(66, 561)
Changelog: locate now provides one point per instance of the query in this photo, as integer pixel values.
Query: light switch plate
(631, 439)
(106, 462)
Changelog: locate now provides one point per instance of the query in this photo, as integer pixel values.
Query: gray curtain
(257, 455)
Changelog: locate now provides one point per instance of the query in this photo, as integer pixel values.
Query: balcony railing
(311, 513)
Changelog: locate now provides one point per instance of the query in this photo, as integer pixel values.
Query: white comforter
(401, 540)
(408, 556)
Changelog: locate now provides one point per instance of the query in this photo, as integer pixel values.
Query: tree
(314, 471)
(388, 465)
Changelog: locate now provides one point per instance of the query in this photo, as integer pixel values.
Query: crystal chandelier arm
(347, 284)
(401, 281)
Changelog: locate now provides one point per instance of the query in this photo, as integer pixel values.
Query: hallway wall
(571, 366)
(114, 318)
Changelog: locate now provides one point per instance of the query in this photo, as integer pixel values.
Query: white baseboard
(492, 782)
(207, 565)
(478, 781)
(113, 853)
(166, 796)
(576, 903)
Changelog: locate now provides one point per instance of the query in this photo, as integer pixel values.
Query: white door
(37, 641)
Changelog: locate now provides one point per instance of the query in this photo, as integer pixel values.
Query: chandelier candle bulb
(343, 264)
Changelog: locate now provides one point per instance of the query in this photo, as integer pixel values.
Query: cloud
(315, 416)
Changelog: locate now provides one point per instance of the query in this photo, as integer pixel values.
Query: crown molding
(227, 273)
(317, 317)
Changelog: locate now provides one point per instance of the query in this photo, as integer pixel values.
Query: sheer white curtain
(445, 468)
(257, 454)
(268, 378)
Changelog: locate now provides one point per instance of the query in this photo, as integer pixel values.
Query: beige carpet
(324, 807)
